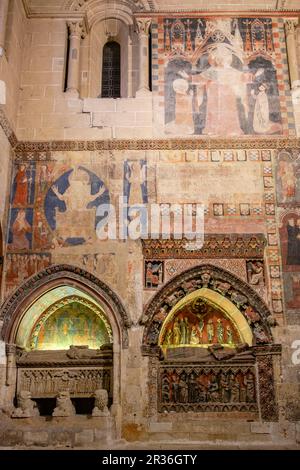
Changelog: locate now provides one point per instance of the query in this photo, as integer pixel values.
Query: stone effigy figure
(101, 402)
(27, 408)
(64, 405)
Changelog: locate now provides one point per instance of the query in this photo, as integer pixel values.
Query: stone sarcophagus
(79, 370)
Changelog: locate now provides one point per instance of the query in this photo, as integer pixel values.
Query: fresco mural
(20, 229)
(20, 266)
(23, 186)
(289, 230)
(135, 190)
(154, 274)
(220, 77)
(135, 182)
(200, 325)
(287, 177)
(72, 324)
(70, 206)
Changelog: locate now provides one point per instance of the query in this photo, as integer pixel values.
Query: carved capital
(76, 29)
(10, 349)
(290, 27)
(143, 26)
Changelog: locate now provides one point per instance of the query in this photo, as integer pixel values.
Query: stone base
(75, 431)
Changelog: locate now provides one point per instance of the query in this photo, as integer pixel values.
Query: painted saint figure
(21, 183)
(20, 228)
(261, 115)
(194, 335)
(293, 245)
(288, 180)
(176, 333)
(229, 335)
(210, 331)
(224, 85)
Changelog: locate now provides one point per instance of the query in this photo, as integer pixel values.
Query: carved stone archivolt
(198, 361)
(11, 308)
(251, 306)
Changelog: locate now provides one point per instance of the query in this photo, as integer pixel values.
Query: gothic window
(111, 70)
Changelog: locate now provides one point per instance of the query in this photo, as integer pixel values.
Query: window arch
(111, 70)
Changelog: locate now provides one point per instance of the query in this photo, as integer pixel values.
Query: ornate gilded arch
(207, 279)
(215, 375)
(15, 306)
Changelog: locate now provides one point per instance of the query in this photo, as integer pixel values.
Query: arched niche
(103, 30)
(229, 372)
(64, 329)
(62, 317)
(204, 318)
(36, 286)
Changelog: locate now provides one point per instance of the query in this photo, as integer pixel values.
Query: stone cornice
(151, 11)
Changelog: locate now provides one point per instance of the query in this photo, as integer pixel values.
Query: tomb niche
(210, 349)
(64, 353)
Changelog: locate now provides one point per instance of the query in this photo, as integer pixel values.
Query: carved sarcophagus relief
(209, 387)
(79, 370)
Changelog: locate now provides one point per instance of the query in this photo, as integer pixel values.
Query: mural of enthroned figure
(71, 205)
(76, 198)
(218, 85)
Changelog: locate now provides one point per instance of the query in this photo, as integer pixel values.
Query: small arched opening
(111, 70)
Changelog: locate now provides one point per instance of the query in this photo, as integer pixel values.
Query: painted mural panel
(218, 76)
(288, 172)
(73, 324)
(200, 325)
(71, 203)
(290, 251)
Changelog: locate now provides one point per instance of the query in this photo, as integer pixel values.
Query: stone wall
(11, 61)
(94, 151)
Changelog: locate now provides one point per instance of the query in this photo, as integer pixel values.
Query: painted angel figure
(136, 177)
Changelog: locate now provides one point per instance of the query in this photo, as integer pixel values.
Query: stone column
(76, 33)
(11, 364)
(143, 25)
(290, 32)
(130, 64)
(3, 21)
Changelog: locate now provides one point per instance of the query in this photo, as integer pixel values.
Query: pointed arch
(207, 279)
(36, 286)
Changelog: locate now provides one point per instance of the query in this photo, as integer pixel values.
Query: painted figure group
(205, 331)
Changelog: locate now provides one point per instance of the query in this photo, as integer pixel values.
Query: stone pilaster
(290, 32)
